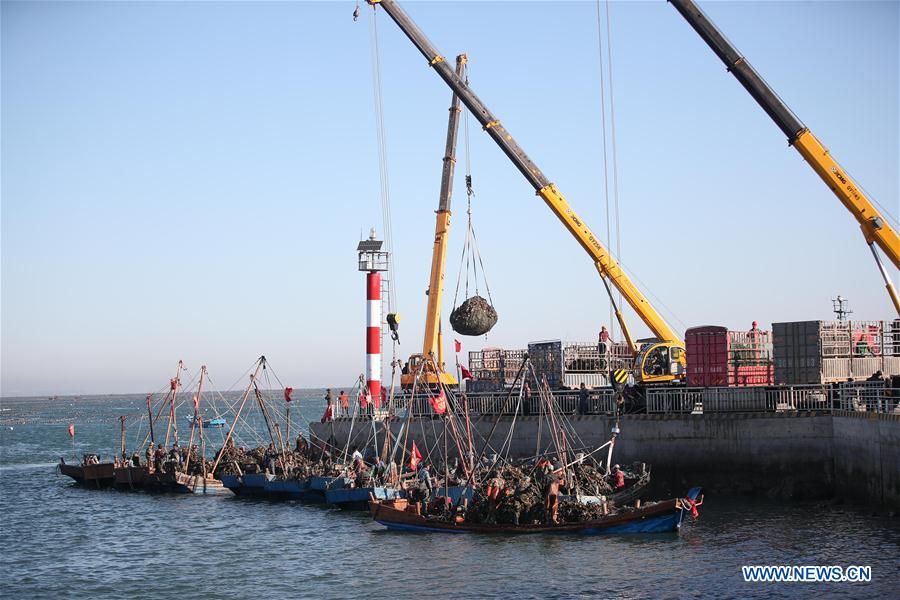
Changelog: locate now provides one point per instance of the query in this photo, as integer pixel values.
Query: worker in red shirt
(365, 400)
(618, 477)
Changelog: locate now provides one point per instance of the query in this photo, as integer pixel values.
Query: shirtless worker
(551, 496)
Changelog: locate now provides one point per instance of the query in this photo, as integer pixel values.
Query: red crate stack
(717, 357)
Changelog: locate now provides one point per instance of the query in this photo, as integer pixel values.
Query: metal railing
(500, 403)
(863, 396)
(866, 396)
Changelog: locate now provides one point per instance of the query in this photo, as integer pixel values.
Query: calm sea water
(58, 540)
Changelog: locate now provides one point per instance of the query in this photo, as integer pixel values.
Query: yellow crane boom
(875, 229)
(554, 199)
(433, 346)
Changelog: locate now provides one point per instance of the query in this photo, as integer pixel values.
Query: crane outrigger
(659, 362)
(876, 230)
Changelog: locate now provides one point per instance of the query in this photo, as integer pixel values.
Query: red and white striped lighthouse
(373, 333)
(373, 260)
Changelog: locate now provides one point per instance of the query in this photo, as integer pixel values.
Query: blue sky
(189, 180)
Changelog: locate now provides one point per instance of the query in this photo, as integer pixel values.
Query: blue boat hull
(292, 489)
(319, 485)
(249, 484)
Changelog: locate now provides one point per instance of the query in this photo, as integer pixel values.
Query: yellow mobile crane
(434, 341)
(660, 362)
(875, 229)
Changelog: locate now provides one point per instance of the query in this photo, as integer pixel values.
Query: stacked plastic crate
(831, 351)
(568, 365)
(494, 368)
(717, 357)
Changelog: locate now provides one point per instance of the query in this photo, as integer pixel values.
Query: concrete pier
(866, 450)
(802, 456)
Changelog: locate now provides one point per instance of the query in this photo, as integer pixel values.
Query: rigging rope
(612, 320)
(470, 261)
(387, 221)
(612, 145)
(612, 130)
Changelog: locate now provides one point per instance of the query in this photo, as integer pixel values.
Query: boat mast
(196, 418)
(202, 438)
(173, 393)
(122, 422)
(150, 419)
(244, 396)
(270, 423)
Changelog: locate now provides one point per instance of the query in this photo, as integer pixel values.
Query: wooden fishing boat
(347, 498)
(92, 474)
(659, 517)
(631, 492)
(141, 478)
(131, 477)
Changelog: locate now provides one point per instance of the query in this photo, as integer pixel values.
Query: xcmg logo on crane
(838, 175)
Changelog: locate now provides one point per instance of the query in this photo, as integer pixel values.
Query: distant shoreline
(45, 397)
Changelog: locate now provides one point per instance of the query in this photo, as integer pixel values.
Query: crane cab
(661, 362)
(417, 362)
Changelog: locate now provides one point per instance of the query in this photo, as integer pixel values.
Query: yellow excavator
(423, 365)
(876, 230)
(661, 361)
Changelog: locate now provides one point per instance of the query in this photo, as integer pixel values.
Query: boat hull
(319, 485)
(358, 498)
(140, 478)
(662, 517)
(100, 475)
(249, 484)
(131, 477)
(292, 489)
(198, 484)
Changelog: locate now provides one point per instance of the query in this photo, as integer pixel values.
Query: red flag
(414, 457)
(439, 403)
(71, 429)
(458, 345)
(466, 374)
(196, 403)
(287, 393)
(173, 383)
